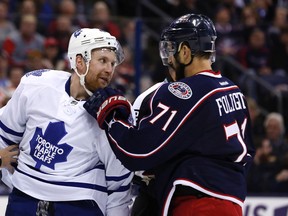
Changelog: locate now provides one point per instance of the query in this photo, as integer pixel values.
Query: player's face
(176, 68)
(167, 50)
(101, 69)
(176, 63)
(172, 73)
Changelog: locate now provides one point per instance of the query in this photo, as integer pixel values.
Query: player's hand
(9, 157)
(107, 104)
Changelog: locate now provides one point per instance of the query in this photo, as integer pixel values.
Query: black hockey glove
(106, 104)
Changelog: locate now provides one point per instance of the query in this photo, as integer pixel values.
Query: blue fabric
(20, 203)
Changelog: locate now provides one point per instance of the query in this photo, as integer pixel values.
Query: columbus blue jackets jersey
(64, 155)
(193, 132)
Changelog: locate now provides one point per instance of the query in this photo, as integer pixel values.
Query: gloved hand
(106, 104)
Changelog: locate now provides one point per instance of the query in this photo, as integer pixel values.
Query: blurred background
(252, 50)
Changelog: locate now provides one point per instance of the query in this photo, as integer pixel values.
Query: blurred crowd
(254, 33)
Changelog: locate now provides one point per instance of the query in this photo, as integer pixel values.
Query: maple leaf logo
(45, 149)
(36, 72)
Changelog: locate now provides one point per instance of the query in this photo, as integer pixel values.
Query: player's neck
(197, 66)
(76, 90)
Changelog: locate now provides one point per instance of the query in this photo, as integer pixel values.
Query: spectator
(14, 75)
(6, 26)
(269, 172)
(249, 20)
(235, 8)
(46, 12)
(65, 22)
(25, 7)
(4, 81)
(262, 173)
(124, 75)
(19, 44)
(68, 9)
(4, 98)
(279, 53)
(228, 42)
(275, 132)
(128, 33)
(255, 55)
(188, 6)
(3, 69)
(126, 8)
(264, 9)
(176, 8)
(208, 7)
(100, 17)
(279, 78)
(61, 31)
(278, 23)
(34, 61)
(281, 185)
(51, 58)
(29, 7)
(255, 58)
(257, 118)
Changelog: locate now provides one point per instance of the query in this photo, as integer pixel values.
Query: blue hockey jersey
(64, 155)
(193, 132)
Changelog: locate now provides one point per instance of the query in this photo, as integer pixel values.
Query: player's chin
(102, 84)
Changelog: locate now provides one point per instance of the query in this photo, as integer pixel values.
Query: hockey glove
(106, 104)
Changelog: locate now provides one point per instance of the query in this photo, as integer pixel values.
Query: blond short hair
(278, 117)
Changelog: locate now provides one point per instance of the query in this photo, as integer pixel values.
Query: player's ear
(185, 52)
(80, 63)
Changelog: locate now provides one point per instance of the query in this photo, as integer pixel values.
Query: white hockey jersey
(64, 155)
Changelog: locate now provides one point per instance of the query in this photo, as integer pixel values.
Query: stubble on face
(100, 70)
(99, 80)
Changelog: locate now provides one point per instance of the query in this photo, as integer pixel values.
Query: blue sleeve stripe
(120, 189)
(69, 184)
(100, 167)
(117, 178)
(7, 141)
(10, 131)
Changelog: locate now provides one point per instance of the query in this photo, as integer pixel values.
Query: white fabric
(61, 161)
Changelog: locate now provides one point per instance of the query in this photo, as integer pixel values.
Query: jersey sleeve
(12, 125)
(177, 124)
(140, 107)
(118, 180)
(13, 118)
(151, 142)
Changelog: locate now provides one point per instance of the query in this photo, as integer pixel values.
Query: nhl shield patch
(180, 90)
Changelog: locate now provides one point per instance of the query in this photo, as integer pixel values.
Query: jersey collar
(67, 86)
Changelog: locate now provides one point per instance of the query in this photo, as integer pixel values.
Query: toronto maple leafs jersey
(64, 155)
(194, 132)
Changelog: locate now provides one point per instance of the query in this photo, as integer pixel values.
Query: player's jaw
(104, 81)
(101, 80)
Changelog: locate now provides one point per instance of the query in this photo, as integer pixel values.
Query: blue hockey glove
(106, 104)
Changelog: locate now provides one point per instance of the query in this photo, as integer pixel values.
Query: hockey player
(195, 137)
(66, 166)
